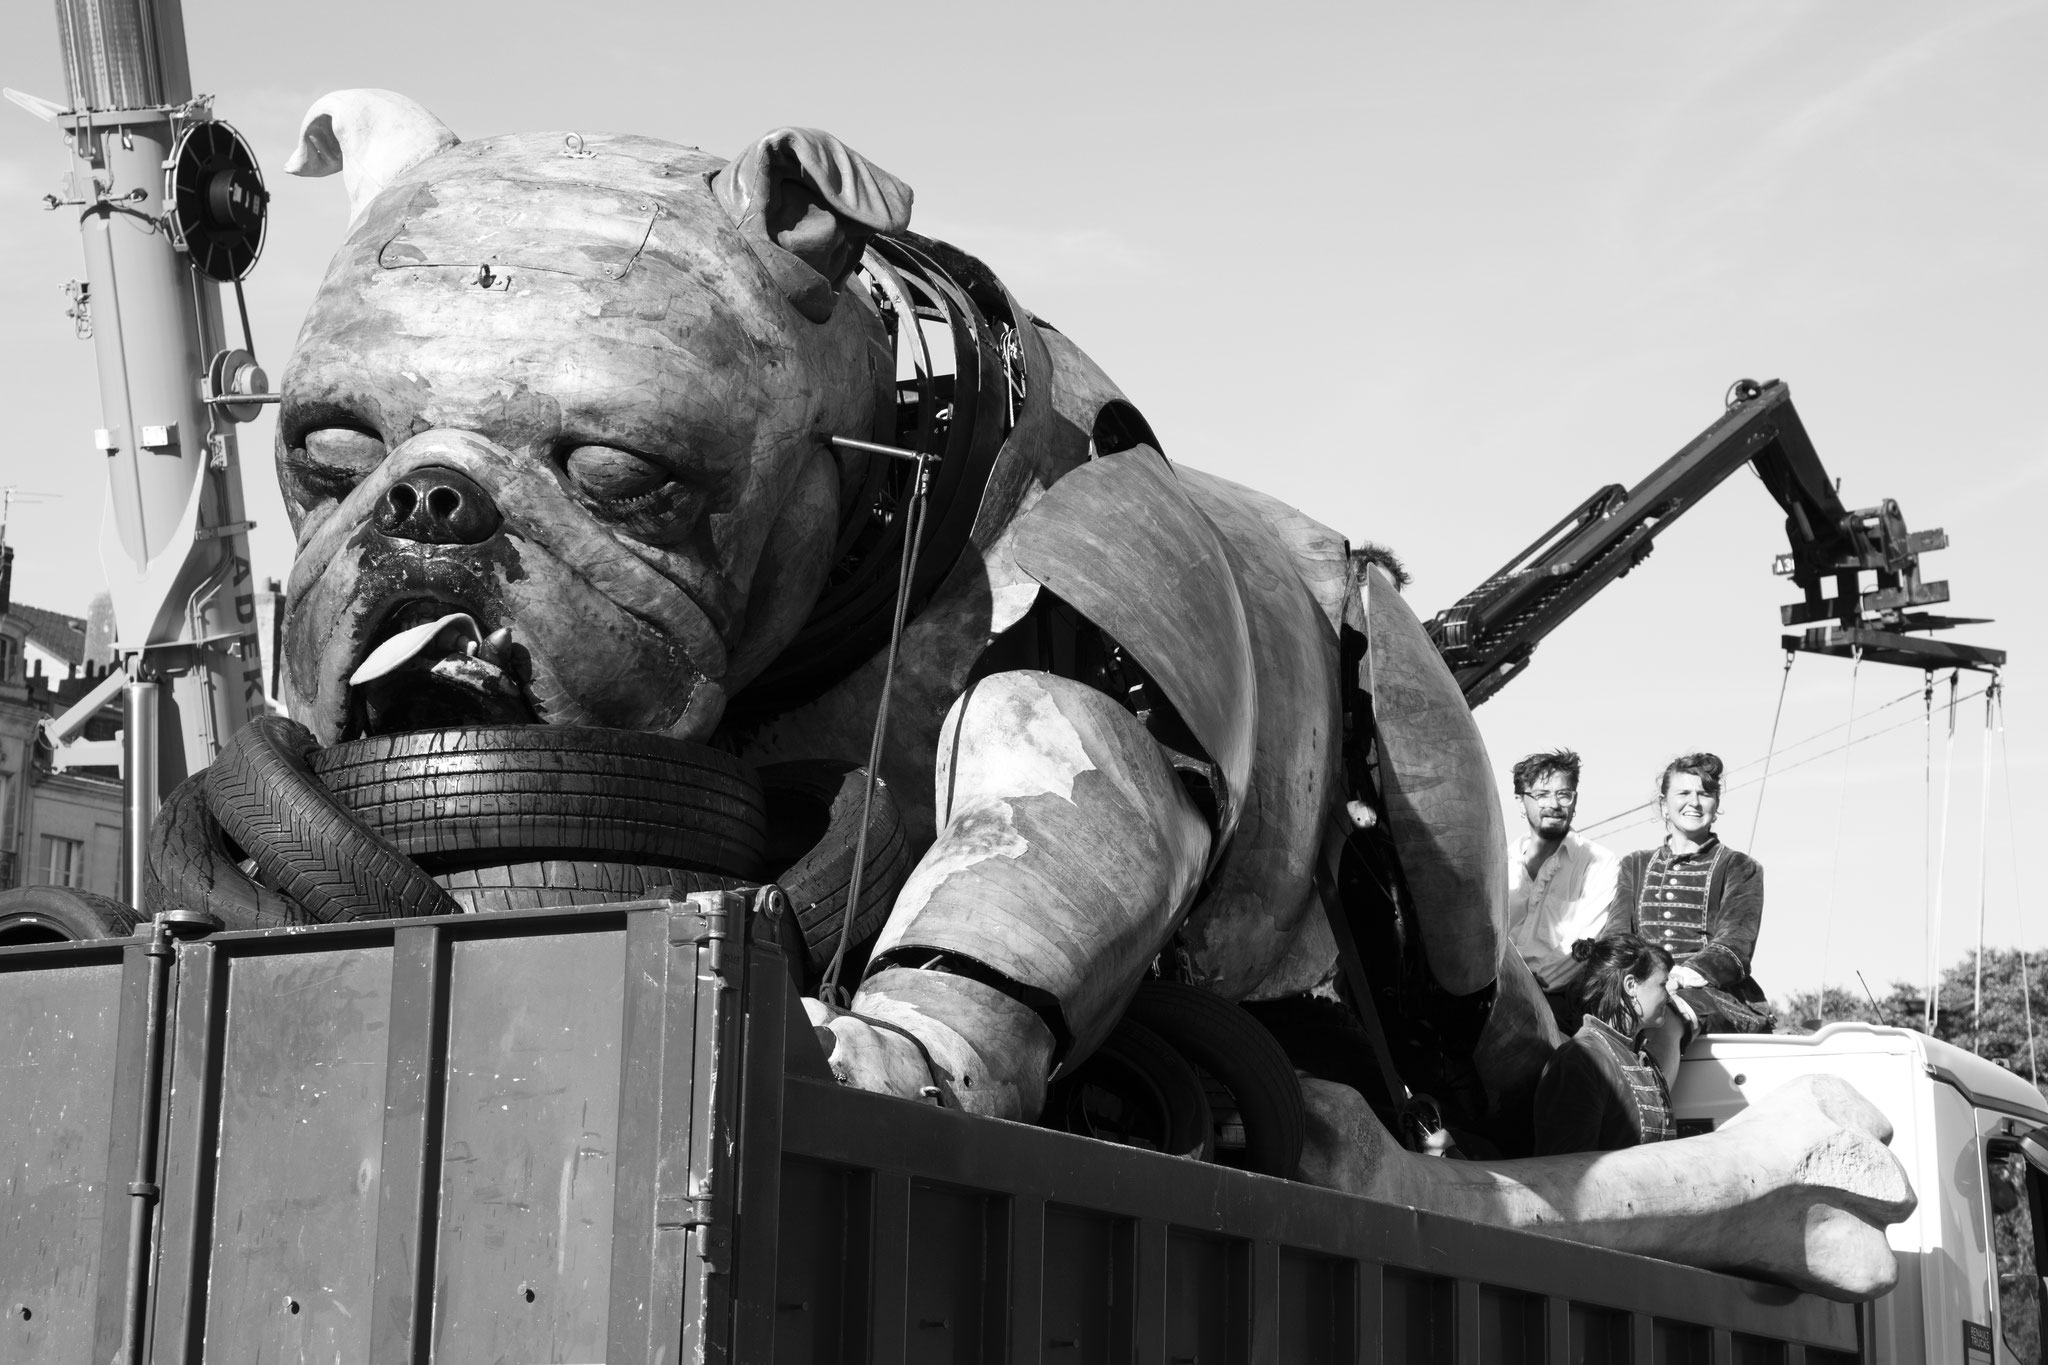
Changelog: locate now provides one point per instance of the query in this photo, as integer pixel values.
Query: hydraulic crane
(1488, 635)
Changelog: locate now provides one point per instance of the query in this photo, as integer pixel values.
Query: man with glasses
(1559, 885)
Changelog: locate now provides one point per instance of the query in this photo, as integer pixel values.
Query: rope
(1650, 805)
(1927, 808)
(1613, 820)
(1785, 681)
(2019, 899)
(1983, 864)
(1948, 789)
(913, 542)
(1827, 937)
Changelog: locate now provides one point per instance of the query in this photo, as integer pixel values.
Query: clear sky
(1432, 272)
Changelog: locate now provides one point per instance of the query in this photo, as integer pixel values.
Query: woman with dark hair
(1703, 903)
(1601, 1092)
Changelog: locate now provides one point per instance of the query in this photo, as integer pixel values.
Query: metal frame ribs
(1489, 635)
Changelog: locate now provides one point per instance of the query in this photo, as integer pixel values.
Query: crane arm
(1489, 635)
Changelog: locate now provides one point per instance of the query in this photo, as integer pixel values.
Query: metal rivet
(291, 1306)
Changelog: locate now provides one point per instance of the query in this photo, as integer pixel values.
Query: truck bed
(608, 1135)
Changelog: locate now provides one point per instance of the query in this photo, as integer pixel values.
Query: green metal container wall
(609, 1135)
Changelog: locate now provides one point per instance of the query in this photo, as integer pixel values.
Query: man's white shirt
(1565, 901)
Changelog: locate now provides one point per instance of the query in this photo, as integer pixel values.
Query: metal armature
(170, 203)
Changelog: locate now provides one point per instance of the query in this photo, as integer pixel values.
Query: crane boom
(1488, 636)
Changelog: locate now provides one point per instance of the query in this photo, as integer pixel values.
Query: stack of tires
(279, 832)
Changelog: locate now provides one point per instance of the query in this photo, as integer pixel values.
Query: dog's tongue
(454, 633)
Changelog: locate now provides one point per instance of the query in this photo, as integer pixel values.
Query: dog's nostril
(437, 505)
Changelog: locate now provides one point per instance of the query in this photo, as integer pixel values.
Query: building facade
(56, 828)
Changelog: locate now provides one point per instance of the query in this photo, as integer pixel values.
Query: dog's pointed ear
(807, 204)
(370, 136)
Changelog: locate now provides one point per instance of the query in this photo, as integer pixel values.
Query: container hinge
(695, 1215)
(718, 917)
(682, 1211)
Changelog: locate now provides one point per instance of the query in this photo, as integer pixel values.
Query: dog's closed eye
(617, 478)
(330, 461)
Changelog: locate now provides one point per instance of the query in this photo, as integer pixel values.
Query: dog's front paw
(869, 1056)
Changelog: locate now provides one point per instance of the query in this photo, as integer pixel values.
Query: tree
(2000, 1035)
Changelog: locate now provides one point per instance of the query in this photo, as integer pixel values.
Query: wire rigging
(2019, 897)
(1983, 861)
(1616, 821)
(1784, 681)
(1827, 936)
(913, 542)
(1948, 788)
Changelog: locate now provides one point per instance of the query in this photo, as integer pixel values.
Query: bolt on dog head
(575, 389)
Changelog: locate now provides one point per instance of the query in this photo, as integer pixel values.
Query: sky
(1433, 273)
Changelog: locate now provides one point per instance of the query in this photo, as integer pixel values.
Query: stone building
(56, 828)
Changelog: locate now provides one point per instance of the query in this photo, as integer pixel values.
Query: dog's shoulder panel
(1122, 542)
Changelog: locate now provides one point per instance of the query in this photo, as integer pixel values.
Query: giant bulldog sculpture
(581, 389)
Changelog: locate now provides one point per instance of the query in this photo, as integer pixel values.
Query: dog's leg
(1798, 1188)
(1067, 854)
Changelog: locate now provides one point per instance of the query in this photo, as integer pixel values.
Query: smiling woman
(1702, 902)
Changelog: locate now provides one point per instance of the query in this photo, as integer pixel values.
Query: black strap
(1335, 840)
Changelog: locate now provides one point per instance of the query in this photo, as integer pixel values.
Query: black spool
(218, 207)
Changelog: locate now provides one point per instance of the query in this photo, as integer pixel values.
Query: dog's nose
(437, 505)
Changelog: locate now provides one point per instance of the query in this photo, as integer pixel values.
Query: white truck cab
(1969, 1286)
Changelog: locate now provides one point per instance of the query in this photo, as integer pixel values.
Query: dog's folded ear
(807, 204)
(370, 136)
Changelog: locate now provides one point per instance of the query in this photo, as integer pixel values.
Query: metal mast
(170, 204)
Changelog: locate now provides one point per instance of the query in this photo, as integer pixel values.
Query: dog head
(576, 389)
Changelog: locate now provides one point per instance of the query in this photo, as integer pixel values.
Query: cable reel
(216, 206)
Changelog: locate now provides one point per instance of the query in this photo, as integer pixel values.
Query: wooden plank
(410, 1161)
(1369, 1329)
(1465, 1330)
(110, 1301)
(302, 1044)
(1149, 1337)
(1265, 1297)
(177, 1319)
(1026, 1299)
(755, 1253)
(641, 1097)
(889, 1284)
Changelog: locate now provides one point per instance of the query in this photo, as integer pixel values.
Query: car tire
(1226, 1042)
(304, 842)
(454, 799)
(62, 914)
(194, 866)
(814, 813)
(1137, 1091)
(563, 883)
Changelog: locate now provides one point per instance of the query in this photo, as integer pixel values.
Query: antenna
(9, 496)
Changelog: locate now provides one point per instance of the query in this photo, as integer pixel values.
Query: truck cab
(1969, 1285)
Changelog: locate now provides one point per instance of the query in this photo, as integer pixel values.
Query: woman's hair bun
(1582, 950)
